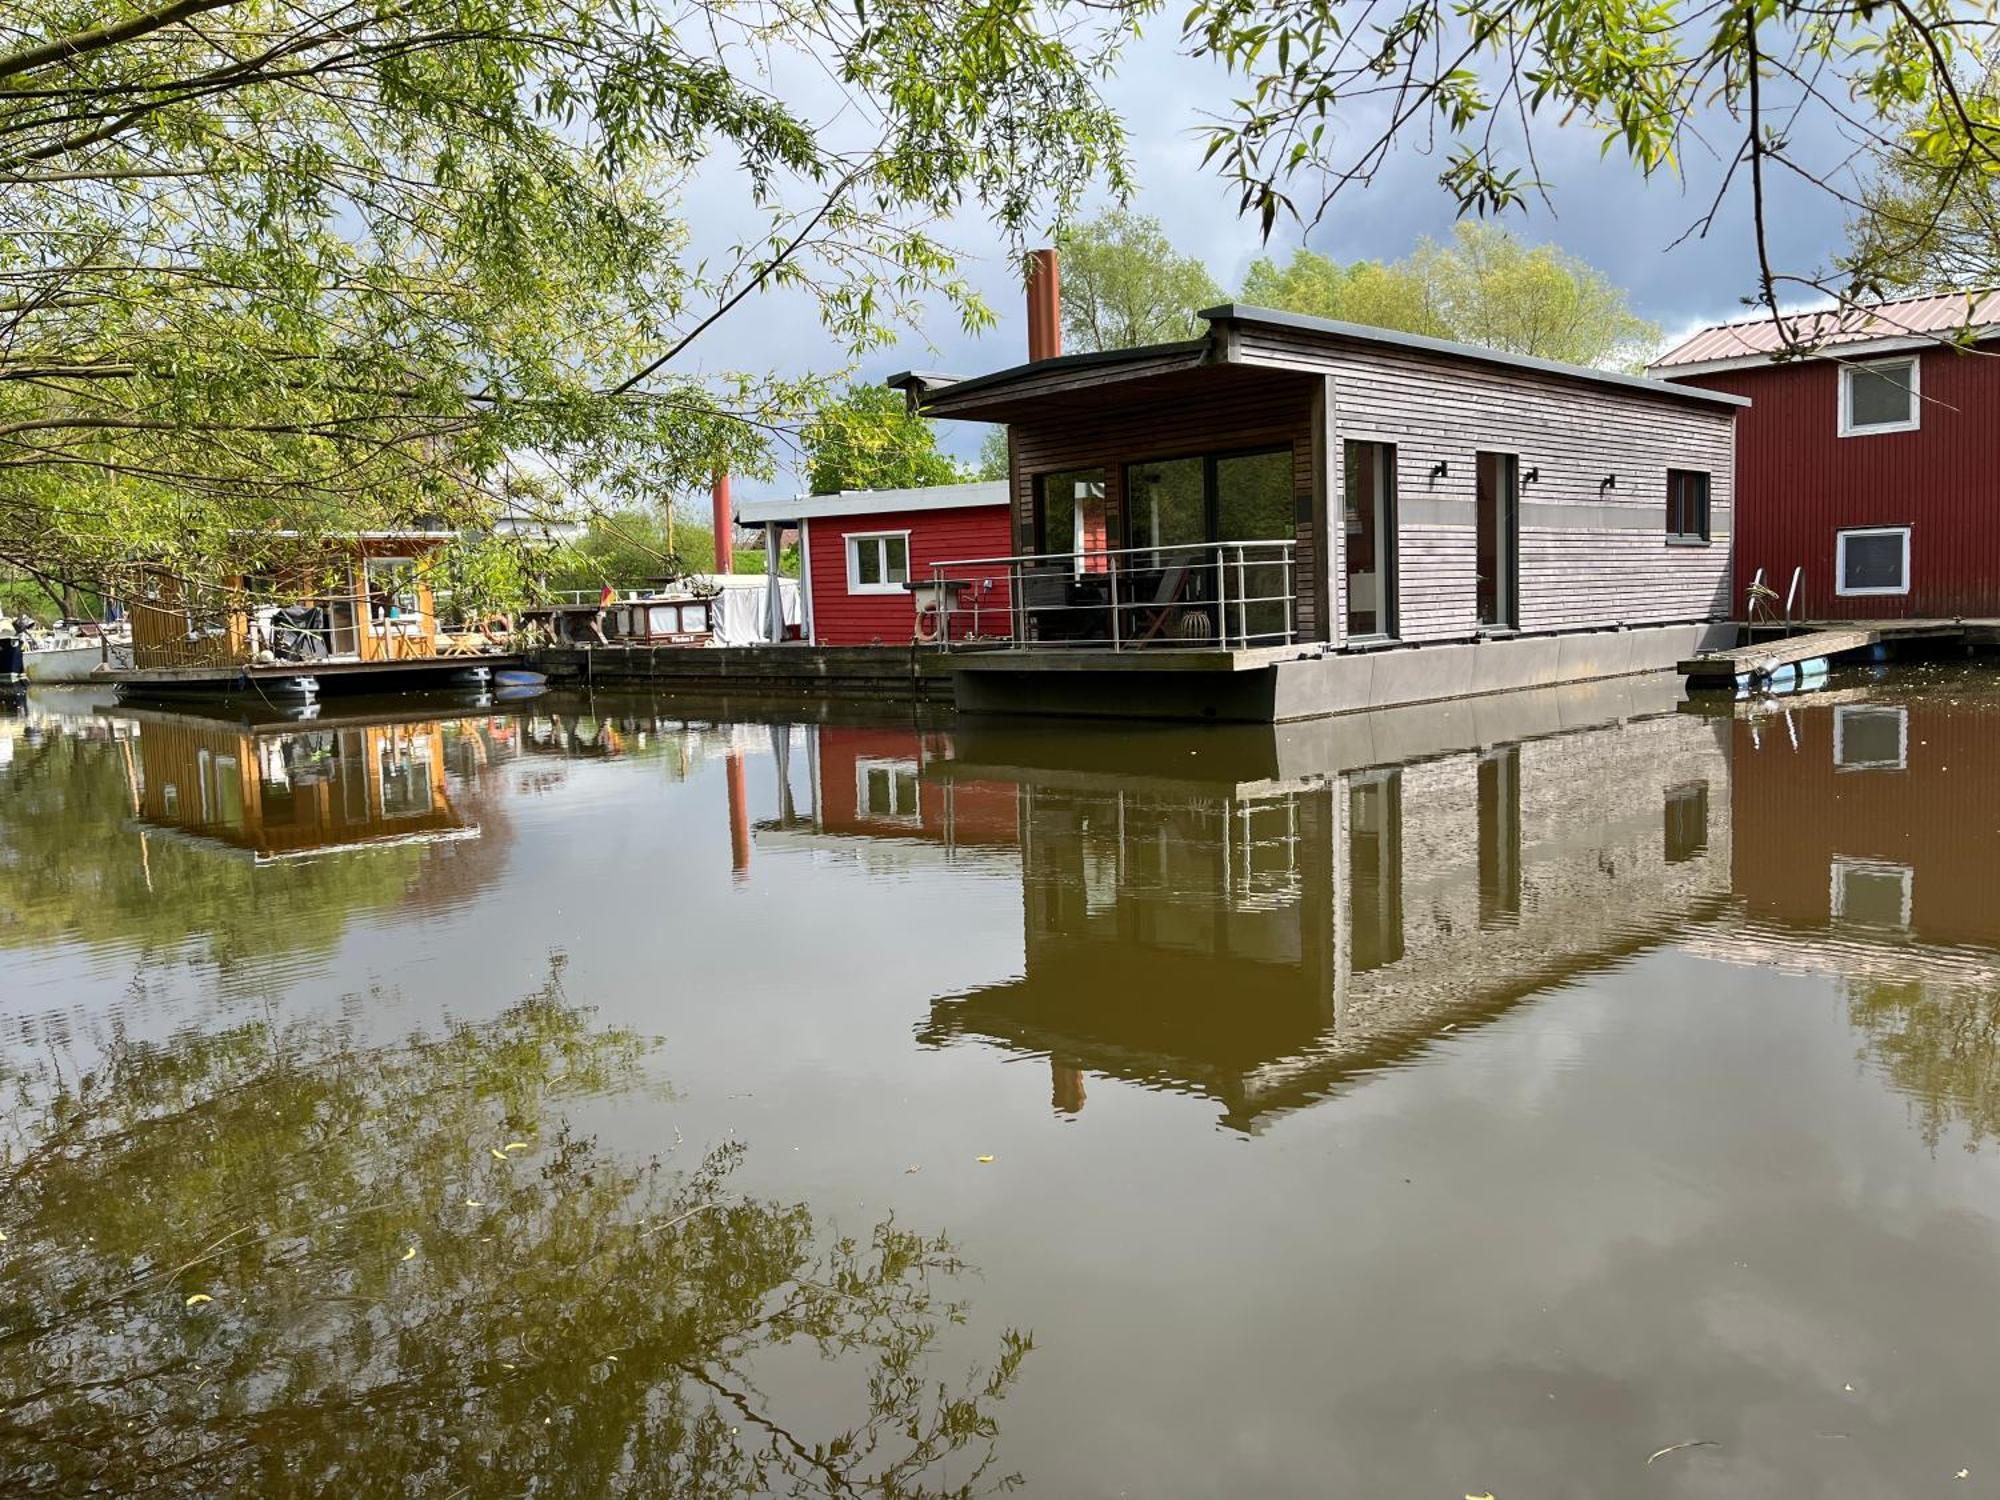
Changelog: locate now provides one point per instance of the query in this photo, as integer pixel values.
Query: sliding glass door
(1369, 522)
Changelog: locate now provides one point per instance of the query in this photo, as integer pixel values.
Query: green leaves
(321, 268)
(1331, 87)
(867, 440)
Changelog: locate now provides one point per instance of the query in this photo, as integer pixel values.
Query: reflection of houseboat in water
(1254, 915)
(281, 791)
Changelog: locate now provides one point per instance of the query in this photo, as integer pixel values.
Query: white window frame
(1840, 560)
(1847, 426)
(876, 539)
(895, 767)
(1843, 866)
(1842, 712)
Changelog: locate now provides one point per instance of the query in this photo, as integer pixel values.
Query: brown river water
(1573, 1094)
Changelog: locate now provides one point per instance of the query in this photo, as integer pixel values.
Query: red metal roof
(1937, 317)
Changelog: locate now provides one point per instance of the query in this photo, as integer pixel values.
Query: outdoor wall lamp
(1533, 476)
(1440, 469)
(1608, 482)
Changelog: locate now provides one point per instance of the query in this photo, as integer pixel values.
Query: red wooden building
(861, 550)
(1870, 468)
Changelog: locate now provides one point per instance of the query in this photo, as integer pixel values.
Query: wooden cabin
(1288, 516)
(365, 598)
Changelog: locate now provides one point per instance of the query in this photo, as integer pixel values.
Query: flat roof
(951, 389)
(1234, 312)
(976, 492)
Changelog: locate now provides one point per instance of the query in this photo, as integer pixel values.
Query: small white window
(885, 791)
(878, 562)
(1871, 892)
(1879, 398)
(1872, 560)
(1868, 737)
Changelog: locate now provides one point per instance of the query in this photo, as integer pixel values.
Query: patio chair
(1157, 613)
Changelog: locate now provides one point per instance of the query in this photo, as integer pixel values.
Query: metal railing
(1215, 594)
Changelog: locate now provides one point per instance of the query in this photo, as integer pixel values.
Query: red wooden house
(862, 552)
(1867, 468)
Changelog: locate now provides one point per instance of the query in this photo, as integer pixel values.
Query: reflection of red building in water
(1877, 814)
(872, 780)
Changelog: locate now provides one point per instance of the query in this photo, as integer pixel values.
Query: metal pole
(1221, 602)
(1242, 601)
(1116, 645)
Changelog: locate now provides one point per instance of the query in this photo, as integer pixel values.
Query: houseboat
(354, 613)
(1289, 517)
(866, 559)
(701, 610)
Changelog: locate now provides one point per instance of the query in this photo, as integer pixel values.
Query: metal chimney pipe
(1044, 305)
(725, 526)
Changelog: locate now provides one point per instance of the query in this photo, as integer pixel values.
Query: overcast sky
(1601, 210)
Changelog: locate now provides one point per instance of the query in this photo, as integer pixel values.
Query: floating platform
(1768, 660)
(307, 681)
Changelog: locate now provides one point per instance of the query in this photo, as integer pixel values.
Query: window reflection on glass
(1071, 517)
(1165, 506)
(1254, 503)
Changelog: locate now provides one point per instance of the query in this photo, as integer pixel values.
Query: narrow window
(878, 562)
(1867, 737)
(1879, 398)
(1687, 822)
(1872, 560)
(1687, 507)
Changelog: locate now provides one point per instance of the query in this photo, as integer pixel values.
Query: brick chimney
(1044, 305)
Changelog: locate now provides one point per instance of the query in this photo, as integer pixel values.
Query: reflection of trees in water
(571, 1323)
(1940, 1045)
(72, 871)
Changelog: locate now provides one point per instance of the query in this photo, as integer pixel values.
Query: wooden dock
(1715, 669)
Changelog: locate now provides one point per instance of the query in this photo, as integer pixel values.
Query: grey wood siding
(1589, 557)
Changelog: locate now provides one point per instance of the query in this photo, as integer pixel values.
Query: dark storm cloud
(1600, 208)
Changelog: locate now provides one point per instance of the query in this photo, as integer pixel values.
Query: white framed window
(1881, 396)
(887, 791)
(1871, 892)
(1870, 737)
(1872, 560)
(878, 562)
